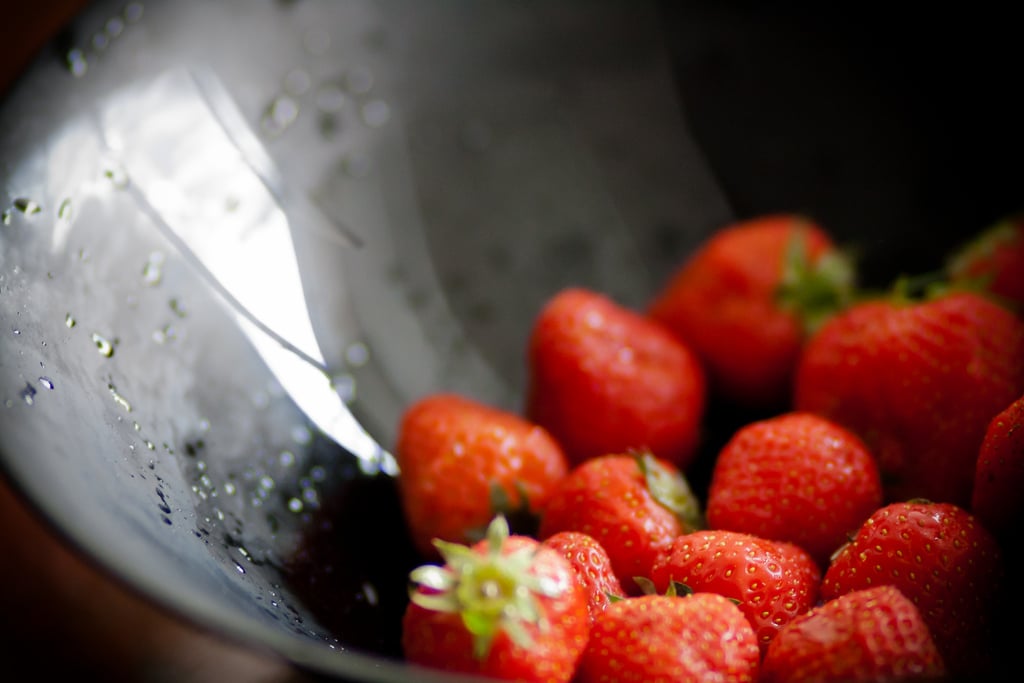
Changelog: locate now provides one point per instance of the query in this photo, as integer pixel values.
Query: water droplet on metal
(357, 354)
(64, 210)
(152, 272)
(310, 497)
(117, 176)
(230, 489)
(376, 113)
(370, 592)
(281, 113)
(295, 505)
(164, 334)
(176, 306)
(15, 331)
(240, 568)
(27, 206)
(28, 394)
(76, 62)
(286, 458)
(120, 400)
(114, 27)
(345, 385)
(46, 382)
(100, 41)
(69, 320)
(6, 217)
(133, 12)
(105, 348)
(301, 434)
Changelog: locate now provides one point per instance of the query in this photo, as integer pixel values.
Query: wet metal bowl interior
(239, 237)
(401, 179)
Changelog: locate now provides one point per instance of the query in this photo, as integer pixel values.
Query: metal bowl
(441, 169)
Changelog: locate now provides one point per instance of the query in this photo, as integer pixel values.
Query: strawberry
(866, 636)
(461, 461)
(772, 581)
(994, 263)
(919, 381)
(506, 608)
(943, 560)
(796, 477)
(745, 300)
(592, 566)
(700, 637)
(605, 379)
(999, 477)
(633, 505)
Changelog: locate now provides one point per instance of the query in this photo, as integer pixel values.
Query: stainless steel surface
(469, 158)
(198, 173)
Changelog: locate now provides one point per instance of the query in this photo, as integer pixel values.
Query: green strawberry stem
(815, 291)
(672, 491)
(520, 515)
(493, 592)
(908, 288)
(676, 589)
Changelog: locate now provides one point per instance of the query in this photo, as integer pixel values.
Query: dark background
(876, 123)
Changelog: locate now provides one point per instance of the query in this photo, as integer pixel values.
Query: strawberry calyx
(672, 491)
(814, 290)
(675, 589)
(493, 592)
(520, 515)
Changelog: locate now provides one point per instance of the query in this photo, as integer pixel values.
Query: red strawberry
(633, 505)
(919, 382)
(505, 608)
(797, 477)
(772, 581)
(460, 459)
(994, 262)
(701, 637)
(867, 636)
(592, 566)
(746, 298)
(940, 557)
(604, 379)
(999, 477)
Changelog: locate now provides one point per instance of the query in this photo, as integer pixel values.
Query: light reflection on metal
(186, 151)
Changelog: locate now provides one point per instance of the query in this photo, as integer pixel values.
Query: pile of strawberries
(861, 530)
